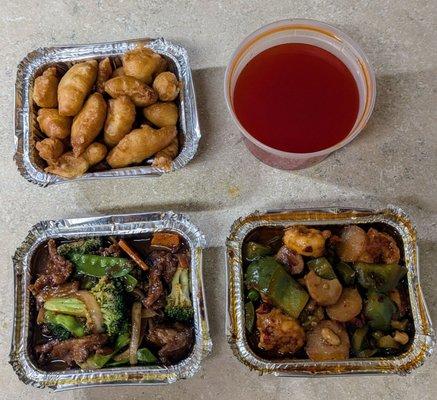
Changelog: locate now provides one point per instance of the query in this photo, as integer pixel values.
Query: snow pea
(98, 266)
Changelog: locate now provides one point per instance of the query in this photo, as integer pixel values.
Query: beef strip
(155, 291)
(63, 290)
(164, 265)
(57, 270)
(111, 251)
(166, 262)
(71, 351)
(174, 341)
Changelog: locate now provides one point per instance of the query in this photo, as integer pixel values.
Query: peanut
(330, 337)
(401, 337)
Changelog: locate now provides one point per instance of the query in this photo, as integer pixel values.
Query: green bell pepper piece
(379, 310)
(346, 273)
(322, 268)
(249, 316)
(269, 277)
(259, 273)
(380, 277)
(68, 322)
(253, 251)
(359, 342)
(98, 266)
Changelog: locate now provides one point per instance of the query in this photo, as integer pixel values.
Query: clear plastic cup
(317, 34)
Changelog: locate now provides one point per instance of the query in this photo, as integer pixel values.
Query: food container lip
(106, 225)
(424, 339)
(24, 118)
(337, 35)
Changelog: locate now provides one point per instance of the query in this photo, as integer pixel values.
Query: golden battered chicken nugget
(45, 88)
(95, 153)
(141, 94)
(140, 144)
(118, 72)
(167, 86)
(52, 124)
(104, 72)
(88, 123)
(75, 85)
(164, 158)
(162, 114)
(50, 149)
(69, 166)
(119, 121)
(142, 63)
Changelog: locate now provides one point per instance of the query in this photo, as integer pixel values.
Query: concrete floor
(392, 161)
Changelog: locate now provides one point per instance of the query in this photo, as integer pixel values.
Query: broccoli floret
(110, 297)
(83, 246)
(179, 305)
(58, 331)
(68, 322)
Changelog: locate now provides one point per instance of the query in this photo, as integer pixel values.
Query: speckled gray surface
(393, 161)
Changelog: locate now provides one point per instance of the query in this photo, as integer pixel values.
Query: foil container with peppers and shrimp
(247, 349)
(31, 166)
(128, 227)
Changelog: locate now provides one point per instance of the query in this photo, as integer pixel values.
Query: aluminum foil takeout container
(121, 225)
(26, 157)
(398, 221)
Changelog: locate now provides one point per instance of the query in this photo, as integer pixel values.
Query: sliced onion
(93, 308)
(40, 316)
(135, 334)
(148, 313)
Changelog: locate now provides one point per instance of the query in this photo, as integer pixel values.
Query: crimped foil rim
(122, 224)
(424, 339)
(188, 121)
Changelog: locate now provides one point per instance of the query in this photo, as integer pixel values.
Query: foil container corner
(423, 342)
(26, 158)
(120, 225)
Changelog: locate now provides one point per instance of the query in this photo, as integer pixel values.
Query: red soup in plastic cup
(298, 90)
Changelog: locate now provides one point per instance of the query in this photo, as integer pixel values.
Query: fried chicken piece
(57, 271)
(278, 332)
(71, 351)
(174, 341)
(104, 73)
(381, 247)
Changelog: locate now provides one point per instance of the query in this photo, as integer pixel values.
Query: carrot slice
(133, 254)
(168, 241)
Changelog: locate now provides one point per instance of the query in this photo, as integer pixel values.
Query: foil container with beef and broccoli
(96, 296)
(326, 292)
